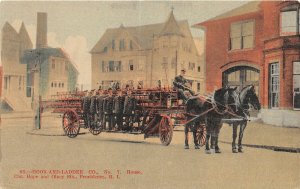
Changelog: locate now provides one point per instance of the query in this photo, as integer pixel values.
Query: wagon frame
(158, 111)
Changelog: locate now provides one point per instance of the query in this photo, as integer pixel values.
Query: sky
(76, 26)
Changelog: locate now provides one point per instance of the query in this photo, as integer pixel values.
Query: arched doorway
(241, 76)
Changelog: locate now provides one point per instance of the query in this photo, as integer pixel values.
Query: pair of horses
(226, 103)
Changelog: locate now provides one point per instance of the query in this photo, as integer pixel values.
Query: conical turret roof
(171, 27)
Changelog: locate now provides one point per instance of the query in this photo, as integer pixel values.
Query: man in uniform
(93, 105)
(86, 101)
(118, 106)
(129, 108)
(99, 105)
(182, 85)
(108, 109)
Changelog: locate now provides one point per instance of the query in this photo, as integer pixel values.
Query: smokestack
(41, 30)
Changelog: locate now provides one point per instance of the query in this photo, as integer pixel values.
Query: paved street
(25, 153)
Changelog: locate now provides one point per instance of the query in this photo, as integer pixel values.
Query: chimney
(41, 30)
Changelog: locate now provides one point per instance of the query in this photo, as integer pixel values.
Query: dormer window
(113, 44)
(105, 49)
(122, 45)
(290, 21)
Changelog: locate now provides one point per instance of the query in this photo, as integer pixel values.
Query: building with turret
(146, 54)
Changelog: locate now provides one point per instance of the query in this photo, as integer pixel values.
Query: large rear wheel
(70, 123)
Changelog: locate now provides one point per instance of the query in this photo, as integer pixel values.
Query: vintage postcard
(150, 94)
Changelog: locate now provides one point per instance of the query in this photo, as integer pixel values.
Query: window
(274, 85)
(111, 66)
(122, 45)
(198, 87)
(52, 84)
(117, 65)
(290, 20)
(113, 44)
(130, 65)
(199, 69)
(296, 84)
(6, 81)
(105, 49)
(55, 84)
(234, 76)
(62, 85)
(20, 82)
(191, 66)
(53, 64)
(242, 35)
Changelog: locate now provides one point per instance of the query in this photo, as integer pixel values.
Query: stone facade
(146, 54)
(265, 52)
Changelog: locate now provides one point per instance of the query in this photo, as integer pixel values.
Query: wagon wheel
(165, 130)
(201, 134)
(96, 127)
(70, 123)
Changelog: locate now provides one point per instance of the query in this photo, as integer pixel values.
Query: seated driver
(183, 86)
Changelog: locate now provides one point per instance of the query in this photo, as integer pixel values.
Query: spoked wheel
(96, 127)
(165, 130)
(70, 123)
(201, 134)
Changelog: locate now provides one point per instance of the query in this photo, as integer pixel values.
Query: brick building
(258, 43)
(1, 75)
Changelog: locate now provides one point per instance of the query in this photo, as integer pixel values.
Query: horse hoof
(207, 151)
(186, 147)
(234, 151)
(197, 147)
(241, 151)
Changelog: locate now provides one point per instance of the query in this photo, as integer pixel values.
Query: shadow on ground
(274, 148)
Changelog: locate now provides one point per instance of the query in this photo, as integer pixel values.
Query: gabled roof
(24, 36)
(42, 54)
(144, 35)
(8, 29)
(250, 7)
